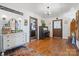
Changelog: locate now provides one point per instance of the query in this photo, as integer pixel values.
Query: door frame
(30, 17)
(61, 27)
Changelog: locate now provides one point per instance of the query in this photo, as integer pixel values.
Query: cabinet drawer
(8, 44)
(5, 37)
(13, 40)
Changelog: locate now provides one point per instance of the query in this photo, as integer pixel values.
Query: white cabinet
(10, 41)
(20, 39)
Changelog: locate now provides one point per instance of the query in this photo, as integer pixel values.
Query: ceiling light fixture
(48, 12)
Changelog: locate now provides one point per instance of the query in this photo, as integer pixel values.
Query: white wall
(77, 43)
(67, 18)
(27, 29)
(8, 16)
(25, 16)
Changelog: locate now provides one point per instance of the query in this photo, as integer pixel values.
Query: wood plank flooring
(45, 47)
(53, 47)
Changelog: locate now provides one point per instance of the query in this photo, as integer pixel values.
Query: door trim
(61, 27)
(30, 25)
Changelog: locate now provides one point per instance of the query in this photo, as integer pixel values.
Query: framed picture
(25, 22)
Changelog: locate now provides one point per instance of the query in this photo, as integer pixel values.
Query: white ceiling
(40, 8)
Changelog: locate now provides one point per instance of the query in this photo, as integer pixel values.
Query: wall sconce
(4, 17)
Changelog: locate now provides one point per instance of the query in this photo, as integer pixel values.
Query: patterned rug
(22, 51)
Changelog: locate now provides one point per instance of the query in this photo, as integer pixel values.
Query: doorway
(33, 28)
(57, 28)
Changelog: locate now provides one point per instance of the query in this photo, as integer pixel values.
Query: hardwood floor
(53, 47)
(45, 47)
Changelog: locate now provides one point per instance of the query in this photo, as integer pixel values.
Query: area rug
(22, 51)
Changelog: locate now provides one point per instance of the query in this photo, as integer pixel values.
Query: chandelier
(48, 12)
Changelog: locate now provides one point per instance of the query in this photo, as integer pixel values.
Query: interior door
(57, 28)
(33, 28)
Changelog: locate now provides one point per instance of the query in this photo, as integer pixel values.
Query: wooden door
(57, 28)
(73, 26)
(77, 26)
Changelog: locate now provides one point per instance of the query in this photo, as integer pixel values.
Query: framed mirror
(33, 28)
